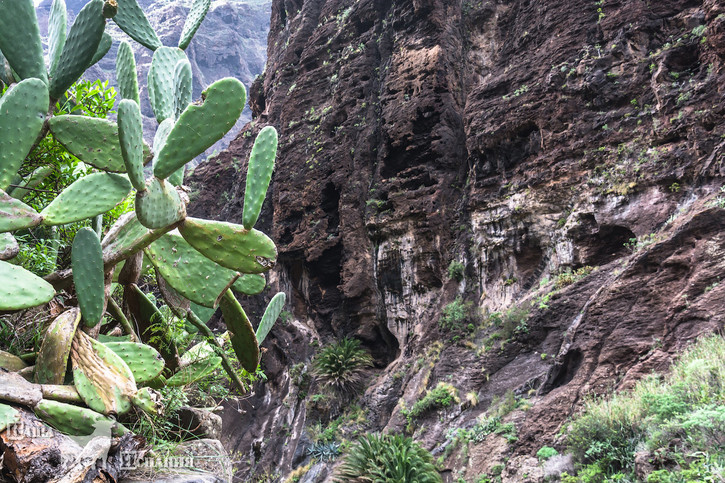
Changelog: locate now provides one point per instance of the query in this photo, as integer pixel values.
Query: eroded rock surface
(521, 139)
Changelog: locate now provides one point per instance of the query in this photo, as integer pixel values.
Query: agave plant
(387, 458)
(342, 366)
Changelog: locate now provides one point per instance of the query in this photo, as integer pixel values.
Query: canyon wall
(523, 139)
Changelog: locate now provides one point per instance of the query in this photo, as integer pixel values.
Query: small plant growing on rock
(456, 270)
(384, 457)
(342, 366)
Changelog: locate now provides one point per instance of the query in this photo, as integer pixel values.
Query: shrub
(456, 314)
(442, 396)
(546, 452)
(685, 406)
(384, 457)
(456, 270)
(342, 366)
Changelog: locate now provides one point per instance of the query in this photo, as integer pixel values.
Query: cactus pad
(82, 43)
(127, 237)
(250, 284)
(193, 21)
(130, 134)
(143, 360)
(126, 73)
(222, 105)
(161, 81)
(159, 205)
(261, 165)
(103, 47)
(52, 360)
(183, 83)
(103, 380)
(87, 197)
(21, 289)
(132, 20)
(110, 8)
(230, 245)
(194, 371)
(11, 362)
(274, 308)
(243, 338)
(73, 420)
(57, 25)
(189, 272)
(9, 247)
(16, 215)
(148, 400)
(31, 181)
(87, 263)
(23, 108)
(94, 141)
(8, 416)
(20, 39)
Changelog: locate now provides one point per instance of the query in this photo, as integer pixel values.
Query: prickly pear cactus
(196, 265)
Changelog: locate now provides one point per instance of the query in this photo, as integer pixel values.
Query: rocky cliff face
(231, 42)
(523, 139)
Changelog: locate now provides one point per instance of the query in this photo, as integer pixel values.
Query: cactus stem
(196, 322)
(118, 314)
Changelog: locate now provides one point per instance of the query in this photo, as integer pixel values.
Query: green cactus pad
(93, 140)
(11, 362)
(73, 420)
(132, 20)
(8, 416)
(57, 25)
(87, 263)
(9, 247)
(20, 39)
(193, 21)
(144, 361)
(127, 237)
(23, 109)
(250, 284)
(130, 134)
(230, 245)
(203, 313)
(194, 371)
(113, 338)
(104, 381)
(162, 133)
(159, 205)
(52, 360)
(16, 215)
(80, 47)
(274, 308)
(21, 289)
(103, 47)
(222, 105)
(148, 401)
(161, 81)
(87, 197)
(60, 392)
(189, 272)
(126, 73)
(243, 338)
(31, 182)
(261, 165)
(183, 82)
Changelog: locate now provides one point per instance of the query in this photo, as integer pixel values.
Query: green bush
(387, 458)
(457, 315)
(685, 406)
(546, 452)
(342, 366)
(456, 270)
(442, 396)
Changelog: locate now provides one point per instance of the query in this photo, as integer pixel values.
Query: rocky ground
(520, 139)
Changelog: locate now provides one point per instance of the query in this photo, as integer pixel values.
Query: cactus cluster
(198, 262)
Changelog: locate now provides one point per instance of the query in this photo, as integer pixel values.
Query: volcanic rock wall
(520, 138)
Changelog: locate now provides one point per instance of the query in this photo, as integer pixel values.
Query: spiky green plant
(342, 366)
(387, 458)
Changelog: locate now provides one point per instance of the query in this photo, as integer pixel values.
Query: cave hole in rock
(561, 374)
(511, 150)
(330, 204)
(599, 244)
(529, 257)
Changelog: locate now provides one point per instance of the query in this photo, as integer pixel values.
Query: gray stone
(198, 423)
